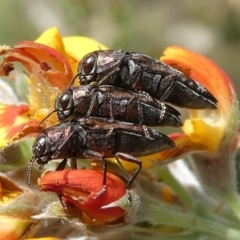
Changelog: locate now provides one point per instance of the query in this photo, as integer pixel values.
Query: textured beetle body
(139, 72)
(115, 103)
(97, 138)
(71, 139)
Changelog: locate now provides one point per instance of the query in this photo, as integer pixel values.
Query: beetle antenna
(73, 79)
(27, 178)
(55, 110)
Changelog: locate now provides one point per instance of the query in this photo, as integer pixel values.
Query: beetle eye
(64, 101)
(40, 146)
(64, 104)
(88, 65)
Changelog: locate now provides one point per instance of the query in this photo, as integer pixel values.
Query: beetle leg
(146, 95)
(140, 108)
(137, 78)
(163, 110)
(66, 141)
(98, 156)
(110, 132)
(130, 105)
(111, 108)
(140, 113)
(131, 74)
(108, 77)
(61, 165)
(73, 163)
(64, 205)
(146, 132)
(129, 158)
(167, 85)
(92, 104)
(162, 104)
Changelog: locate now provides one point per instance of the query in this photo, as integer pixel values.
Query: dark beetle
(115, 103)
(97, 138)
(139, 72)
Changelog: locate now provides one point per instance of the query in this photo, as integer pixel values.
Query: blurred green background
(208, 27)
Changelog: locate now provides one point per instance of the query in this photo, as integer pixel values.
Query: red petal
(15, 122)
(81, 186)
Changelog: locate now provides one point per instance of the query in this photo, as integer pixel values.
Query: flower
(219, 122)
(210, 136)
(81, 187)
(51, 62)
(202, 125)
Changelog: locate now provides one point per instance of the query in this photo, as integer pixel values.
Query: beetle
(115, 103)
(97, 138)
(138, 72)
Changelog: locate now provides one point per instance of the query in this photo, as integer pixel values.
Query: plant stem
(163, 215)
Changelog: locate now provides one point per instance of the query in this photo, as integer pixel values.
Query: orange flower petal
(49, 62)
(205, 71)
(41, 61)
(49, 73)
(204, 124)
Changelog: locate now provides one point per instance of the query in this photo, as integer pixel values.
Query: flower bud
(80, 189)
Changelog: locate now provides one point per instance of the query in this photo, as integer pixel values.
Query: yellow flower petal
(8, 191)
(77, 47)
(73, 48)
(197, 130)
(14, 228)
(53, 39)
